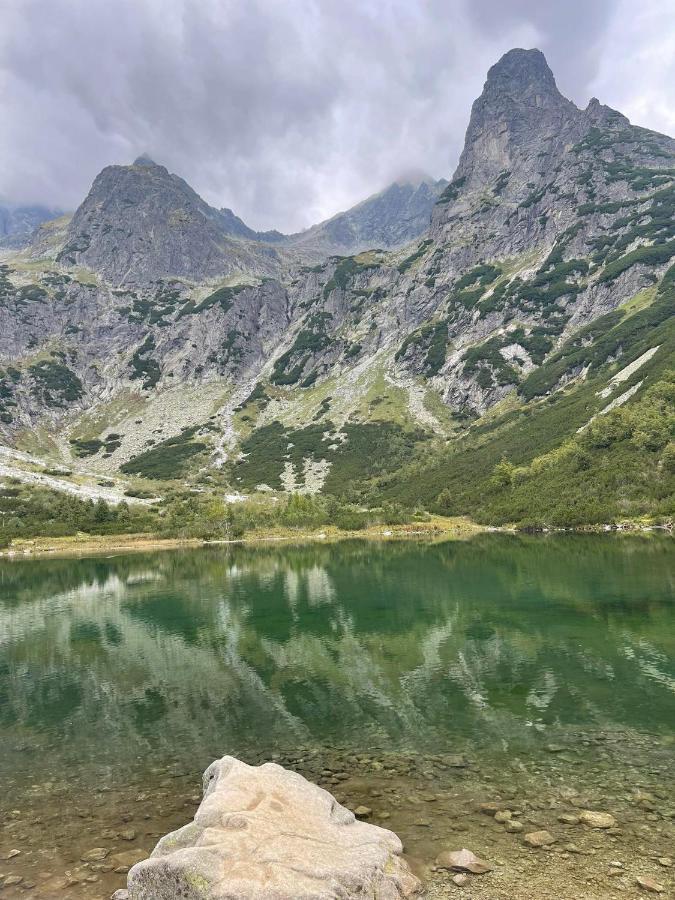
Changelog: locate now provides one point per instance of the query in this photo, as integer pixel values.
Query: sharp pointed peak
(520, 71)
(145, 160)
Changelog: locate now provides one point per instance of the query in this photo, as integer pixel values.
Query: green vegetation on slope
(55, 383)
(357, 453)
(167, 460)
(32, 511)
(533, 466)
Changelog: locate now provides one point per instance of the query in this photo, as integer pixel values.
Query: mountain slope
(541, 294)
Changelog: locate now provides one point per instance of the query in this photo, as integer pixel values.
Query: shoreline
(438, 528)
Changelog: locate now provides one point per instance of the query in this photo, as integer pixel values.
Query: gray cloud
(284, 110)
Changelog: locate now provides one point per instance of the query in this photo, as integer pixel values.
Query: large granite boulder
(265, 833)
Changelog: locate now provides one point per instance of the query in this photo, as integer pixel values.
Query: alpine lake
(431, 683)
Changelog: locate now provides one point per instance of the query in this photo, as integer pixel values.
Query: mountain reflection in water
(493, 641)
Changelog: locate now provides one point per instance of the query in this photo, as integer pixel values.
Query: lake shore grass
(435, 528)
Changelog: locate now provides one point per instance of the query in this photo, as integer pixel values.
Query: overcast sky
(290, 110)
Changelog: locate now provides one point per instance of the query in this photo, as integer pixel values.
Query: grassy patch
(363, 451)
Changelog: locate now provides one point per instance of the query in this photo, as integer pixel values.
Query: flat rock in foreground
(268, 832)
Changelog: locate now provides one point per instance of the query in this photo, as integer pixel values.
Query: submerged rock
(648, 884)
(463, 861)
(267, 831)
(597, 819)
(539, 839)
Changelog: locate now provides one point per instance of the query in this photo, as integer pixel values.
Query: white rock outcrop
(266, 833)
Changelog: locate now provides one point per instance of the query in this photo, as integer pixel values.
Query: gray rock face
(139, 223)
(267, 832)
(520, 112)
(392, 218)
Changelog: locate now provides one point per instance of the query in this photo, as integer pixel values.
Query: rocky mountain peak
(139, 223)
(522, 76)
(519, 109)
(144, 160)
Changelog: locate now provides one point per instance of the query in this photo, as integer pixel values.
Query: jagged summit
(390, 218)
(139, 223)
(522, 74)
(554, 219)
(519, 109)
(144, 160)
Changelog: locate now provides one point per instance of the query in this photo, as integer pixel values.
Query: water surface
(462, 665)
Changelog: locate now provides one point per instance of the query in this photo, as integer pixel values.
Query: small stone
(539, 839)
(502, 816)
(597, 819)
(128, 857)
(12, 879)
(665, 861)
(128, 834)
(122, 894)
(513, 826)
(554, 748)
(460, 879)
(568, 819)
(648, 884)
(455, 761)
(463, 861)
(363, 812)
(95, 854)
(489, 809)
(9, 855)
(571, 848)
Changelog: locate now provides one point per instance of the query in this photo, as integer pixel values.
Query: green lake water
(495, 666)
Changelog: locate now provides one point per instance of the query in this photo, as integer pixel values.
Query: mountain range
(499, 344)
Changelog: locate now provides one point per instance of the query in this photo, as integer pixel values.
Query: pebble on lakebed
(539, 839)
(462, 861)
(597, 819)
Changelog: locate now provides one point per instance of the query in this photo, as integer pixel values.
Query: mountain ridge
(140, 222)
(546, 271)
